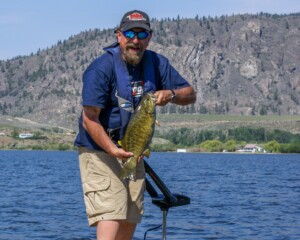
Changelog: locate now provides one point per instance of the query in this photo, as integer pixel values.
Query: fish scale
(138, 134)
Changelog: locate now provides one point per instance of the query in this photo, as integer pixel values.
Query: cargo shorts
(106, 197)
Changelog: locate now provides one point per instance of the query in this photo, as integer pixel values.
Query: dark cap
(135, 19)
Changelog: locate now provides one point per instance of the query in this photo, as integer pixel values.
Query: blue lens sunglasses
(140, 35)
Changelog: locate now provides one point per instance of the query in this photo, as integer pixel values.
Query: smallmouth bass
(138, 135)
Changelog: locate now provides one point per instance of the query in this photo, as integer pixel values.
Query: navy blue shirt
(99, 88)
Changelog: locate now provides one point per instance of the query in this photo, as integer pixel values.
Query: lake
(233, 196)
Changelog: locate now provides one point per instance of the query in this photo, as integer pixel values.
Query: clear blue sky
(27, 25)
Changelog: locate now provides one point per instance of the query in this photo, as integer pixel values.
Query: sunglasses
(140, 35)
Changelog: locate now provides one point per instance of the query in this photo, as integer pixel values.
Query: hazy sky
(27, 25)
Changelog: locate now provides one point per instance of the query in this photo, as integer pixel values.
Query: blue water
(233, 196)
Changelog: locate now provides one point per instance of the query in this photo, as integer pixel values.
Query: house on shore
(25, 135)
(252, 148)
(181, 150)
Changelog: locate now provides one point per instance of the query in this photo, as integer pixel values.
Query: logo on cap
(136, 17)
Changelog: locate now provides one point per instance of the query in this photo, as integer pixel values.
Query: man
(112, 87)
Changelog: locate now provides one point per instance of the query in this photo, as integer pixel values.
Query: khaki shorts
(106, 196)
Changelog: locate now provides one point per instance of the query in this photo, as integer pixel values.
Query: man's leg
(126, 230)
(107, 230)
(115, 230)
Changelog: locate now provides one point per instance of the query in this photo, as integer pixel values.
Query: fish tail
(128, 174)
(132, 175)
(128, 167)
(125, 173)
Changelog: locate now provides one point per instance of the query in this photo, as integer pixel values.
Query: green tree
(15, 133)
(63, 146)
(212, 145)
(230, 145)
(272, 146)
(290, 148)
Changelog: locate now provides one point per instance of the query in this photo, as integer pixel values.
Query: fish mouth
(150, 103)
(153, 98)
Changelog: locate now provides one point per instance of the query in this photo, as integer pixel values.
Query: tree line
(218, 140)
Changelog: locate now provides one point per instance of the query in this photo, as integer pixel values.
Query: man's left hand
(162, 97)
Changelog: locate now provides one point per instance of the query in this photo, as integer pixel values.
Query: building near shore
(252, 148)
(25, 135)
(181, 150)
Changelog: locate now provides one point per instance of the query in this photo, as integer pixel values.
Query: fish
(138, 135)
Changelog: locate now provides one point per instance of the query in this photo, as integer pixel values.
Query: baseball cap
(135, 19)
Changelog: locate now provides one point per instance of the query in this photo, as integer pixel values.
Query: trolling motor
(165, 200)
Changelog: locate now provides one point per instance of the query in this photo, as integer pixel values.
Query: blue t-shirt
(99, 88)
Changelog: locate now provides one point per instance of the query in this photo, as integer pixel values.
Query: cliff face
(245, 64)
(242, 64)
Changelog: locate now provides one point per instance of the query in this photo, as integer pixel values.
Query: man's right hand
(120, 153)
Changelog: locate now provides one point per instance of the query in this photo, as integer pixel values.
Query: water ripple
(233, 196)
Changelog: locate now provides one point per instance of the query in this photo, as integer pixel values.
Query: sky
(29, 25)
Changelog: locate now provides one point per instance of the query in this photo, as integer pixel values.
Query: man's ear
(118, 35)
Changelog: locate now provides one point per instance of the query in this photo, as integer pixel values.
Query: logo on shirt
(137, 88)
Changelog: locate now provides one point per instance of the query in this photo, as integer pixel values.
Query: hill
(239, 65)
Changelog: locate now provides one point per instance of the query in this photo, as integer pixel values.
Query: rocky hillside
(242, 65)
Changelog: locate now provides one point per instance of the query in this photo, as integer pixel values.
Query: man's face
(133, 49)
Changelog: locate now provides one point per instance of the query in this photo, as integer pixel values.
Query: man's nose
(135, 39)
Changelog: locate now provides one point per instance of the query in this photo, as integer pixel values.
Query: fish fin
(157, 123)
(120, 143)
(146, 153)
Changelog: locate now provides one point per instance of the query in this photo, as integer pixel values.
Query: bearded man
(113, 86)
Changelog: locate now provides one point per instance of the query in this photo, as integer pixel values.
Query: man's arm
(91, 124)
(184, 96)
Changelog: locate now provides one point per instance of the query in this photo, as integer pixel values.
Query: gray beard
(132, 59)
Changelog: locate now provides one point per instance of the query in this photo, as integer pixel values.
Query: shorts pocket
(97, 196)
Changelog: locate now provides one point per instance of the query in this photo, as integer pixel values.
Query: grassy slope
(224, 122)
(167, 122)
